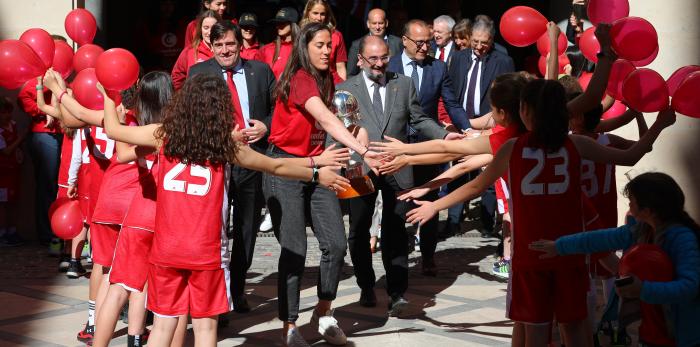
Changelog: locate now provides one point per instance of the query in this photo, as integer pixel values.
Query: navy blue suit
(435, 83)
(495, 63)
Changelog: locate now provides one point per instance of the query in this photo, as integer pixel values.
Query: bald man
(377, 25)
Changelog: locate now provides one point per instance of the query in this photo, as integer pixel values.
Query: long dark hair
(505, 94)
(155, 89)
(198, 123)
(546, 102)
(299, 60)
(294, 27)
(661, 194)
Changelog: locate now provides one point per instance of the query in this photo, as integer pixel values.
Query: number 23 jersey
(546, 200)
(191, 215)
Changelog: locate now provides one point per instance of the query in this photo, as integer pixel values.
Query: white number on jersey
(109, 144)
(527, 187)
(589, 179)
(86, 152)
(172, 184)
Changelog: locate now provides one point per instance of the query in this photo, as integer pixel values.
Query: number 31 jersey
(191, 216)
(546, 201)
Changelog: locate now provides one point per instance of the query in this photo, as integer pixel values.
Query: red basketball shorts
(537, 296)
(130, 263)
(201, 293)
(103, 239)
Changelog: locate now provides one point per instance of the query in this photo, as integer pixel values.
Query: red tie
(238, 116)
(442, 53)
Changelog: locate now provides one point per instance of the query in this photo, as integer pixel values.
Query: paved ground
(463, 306)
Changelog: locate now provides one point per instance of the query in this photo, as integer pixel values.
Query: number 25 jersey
(191, 215)
(546, 200)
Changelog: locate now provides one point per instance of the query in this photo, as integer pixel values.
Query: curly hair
(198, 123)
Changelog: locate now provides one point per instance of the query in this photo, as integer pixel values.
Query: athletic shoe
(55, 247)
(86, 250)
(294, 339)
(64, 263)
(86, 335)
(328, 328)
(75, 269)
(397, 306)
(417, 242)
(266, 224)
(501, 268)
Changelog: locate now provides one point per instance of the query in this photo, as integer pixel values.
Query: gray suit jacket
(395, 48)
(401, 108)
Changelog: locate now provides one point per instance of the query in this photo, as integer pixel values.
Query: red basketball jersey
(142, 212)
(66, 156)
(101, 152)
(545, 200)
(84, 171)
(191, 216)
(598, 183)
(496, 140)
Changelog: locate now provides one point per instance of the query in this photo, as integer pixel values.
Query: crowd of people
(173, 175)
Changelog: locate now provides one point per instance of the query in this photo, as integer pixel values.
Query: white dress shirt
(448, 48)
(242, 89)
(370, 89)
(408, 69)
(477, 90)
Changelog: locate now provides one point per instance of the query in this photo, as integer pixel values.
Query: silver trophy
(347, 110)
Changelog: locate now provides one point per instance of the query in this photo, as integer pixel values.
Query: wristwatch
(314, 175)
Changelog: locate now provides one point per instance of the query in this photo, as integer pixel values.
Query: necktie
(377, 102)
(442, 54)
(414, 76)
(471, 89)
(238, 116)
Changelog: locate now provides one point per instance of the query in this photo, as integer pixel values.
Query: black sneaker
(64, 263)
(85, 336)
(75, 269)
(397, 306)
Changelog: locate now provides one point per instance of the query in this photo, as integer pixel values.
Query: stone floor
(463, 306)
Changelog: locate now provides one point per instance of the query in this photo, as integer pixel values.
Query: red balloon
(645, 91)
(86, 57)
(563, 61)
(81, 26)
(543, 44)
(620, 70)
(607, 11)
(63, 59)
(585, 79)
(648, 262)
(648, 60)
(18, 64)
(685, 99)
(67, 220)
(56, 204)
(117, 69)
(589, 44)
(521, 26)
(678, 76)
(85, 92)
(615, 110)
(633, 38)
(42, 44)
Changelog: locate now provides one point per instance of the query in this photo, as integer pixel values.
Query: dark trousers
(46, 155)
(488, 202)
(290, 202)
(428, 231)
(394, 237)
(247, 202)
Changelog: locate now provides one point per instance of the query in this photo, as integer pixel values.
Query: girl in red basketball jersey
(130, 263)
(199, 51)
(189, 256)
(543, 169)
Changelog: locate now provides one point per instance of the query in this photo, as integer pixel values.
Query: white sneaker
(294, 339)
(266, 224)
(328, 327)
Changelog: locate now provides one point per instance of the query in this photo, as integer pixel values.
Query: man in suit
(377, 25)
(251, 84)
(388, 104)
(443, 46)
(429, 76)
(472, 71)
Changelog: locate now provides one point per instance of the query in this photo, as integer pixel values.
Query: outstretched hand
(392, 146)
(332, 156)
(421, 214)
(329, 178)
(547, 246)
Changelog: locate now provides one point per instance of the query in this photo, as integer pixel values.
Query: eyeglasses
(418, 44)
(375, 60)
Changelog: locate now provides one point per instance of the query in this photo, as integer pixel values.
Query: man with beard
(388, 103)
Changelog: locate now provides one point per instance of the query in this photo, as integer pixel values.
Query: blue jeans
(46, 155)
(293, 203)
